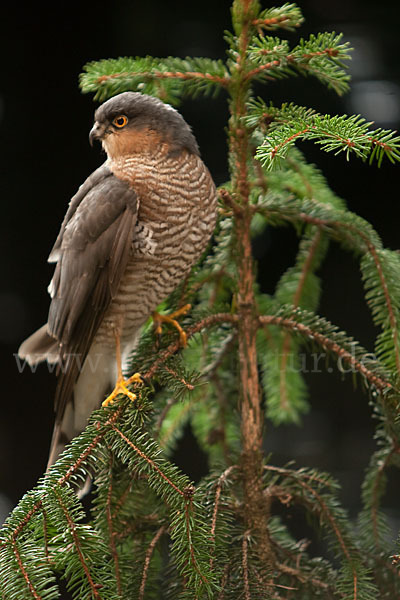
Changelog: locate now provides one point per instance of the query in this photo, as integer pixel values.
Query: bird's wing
(96, 177)
(91, 252)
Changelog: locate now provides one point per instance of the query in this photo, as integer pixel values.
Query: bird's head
(133, 123)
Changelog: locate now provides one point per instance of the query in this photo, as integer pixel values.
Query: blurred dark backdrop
(45, 156)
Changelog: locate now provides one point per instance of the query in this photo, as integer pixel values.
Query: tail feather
(63, 433)
(95, 379)
(40, 346)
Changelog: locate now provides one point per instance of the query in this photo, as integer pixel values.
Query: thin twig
(271, 21)
(149, 553)
(169, 404)
(221, 481)
(188, 75)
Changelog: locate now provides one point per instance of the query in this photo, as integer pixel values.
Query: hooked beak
(96, 133)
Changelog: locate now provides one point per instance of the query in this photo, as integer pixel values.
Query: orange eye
(120, 121)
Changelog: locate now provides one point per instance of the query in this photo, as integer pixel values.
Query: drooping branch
(357, 234)
(305, 482)
(286, 343)
(383, 385)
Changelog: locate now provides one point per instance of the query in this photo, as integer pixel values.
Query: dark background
(44, 123)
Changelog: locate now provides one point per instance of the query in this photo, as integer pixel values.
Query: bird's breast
(176, 217)
(177, 204)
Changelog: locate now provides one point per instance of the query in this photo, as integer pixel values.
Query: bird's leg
(122, 383)
(159, 319)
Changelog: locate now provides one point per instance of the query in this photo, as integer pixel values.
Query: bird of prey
(131, 233)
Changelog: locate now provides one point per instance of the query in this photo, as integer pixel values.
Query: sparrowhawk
(131, 233)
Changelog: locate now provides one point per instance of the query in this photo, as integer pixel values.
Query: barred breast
(176, 217)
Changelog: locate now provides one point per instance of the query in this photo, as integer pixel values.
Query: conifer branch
(305, 482)
(348, 134)
(286, 17)
(372, 522)
(307, 267)
(149, 461)
(116, 414)
(320, 56)
(167, 78)
(380, 273)
(122, 499)
(391, 311)
(374, 379)
(30, 585)
(38, 505)
(182, 380)
(72, 528)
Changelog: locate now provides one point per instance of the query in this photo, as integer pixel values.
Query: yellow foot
(160, 319)
(121, 388)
